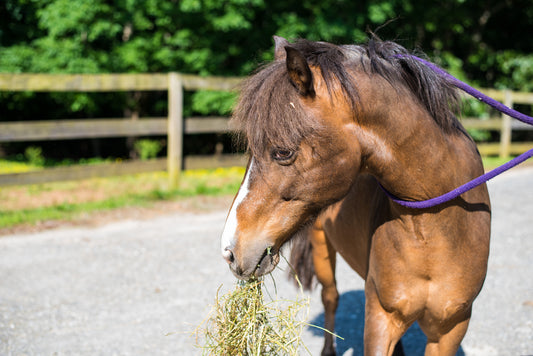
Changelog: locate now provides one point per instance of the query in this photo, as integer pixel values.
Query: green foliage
(34, 155)
(486, 43)
(147, 149)
(217, 102)
(229, 37)
(517, 71)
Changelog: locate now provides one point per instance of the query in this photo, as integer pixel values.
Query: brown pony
(326, 125)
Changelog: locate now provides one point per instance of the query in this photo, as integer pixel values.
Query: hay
(243, 324)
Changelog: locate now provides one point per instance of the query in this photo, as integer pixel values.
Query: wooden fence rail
(174, 126)
(502, 123)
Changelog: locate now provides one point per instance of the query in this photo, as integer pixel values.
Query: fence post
(505, 138)
(175, 128)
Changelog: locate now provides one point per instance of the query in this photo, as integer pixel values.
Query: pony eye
(282, 155)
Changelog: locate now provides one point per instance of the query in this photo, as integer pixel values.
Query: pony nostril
(228, 255)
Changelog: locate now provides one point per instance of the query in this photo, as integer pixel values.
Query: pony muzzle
(256, 263)
(267, 263)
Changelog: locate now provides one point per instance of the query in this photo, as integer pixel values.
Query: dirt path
(139, 286)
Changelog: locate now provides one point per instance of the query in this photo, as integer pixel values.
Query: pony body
(326, 125)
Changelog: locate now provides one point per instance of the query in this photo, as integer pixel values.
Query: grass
(494, 161)
(8, 166)
(32, 204)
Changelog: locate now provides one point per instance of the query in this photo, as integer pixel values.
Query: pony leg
(444, 343)
(398, 349)
(383, 329)
(324, 259)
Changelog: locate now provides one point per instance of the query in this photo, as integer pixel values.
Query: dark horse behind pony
(329, 128)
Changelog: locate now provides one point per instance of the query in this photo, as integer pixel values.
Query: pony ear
(279, 45)
(299, 72)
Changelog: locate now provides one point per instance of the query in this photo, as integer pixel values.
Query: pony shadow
(349, 324)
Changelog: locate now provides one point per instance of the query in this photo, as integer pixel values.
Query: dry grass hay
(243, 324)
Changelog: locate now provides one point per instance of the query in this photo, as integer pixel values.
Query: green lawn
(66, 200)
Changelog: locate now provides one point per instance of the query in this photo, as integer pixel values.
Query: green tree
(488, 43)
(485, 38)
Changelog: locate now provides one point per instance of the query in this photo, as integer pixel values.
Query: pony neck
(413, 158)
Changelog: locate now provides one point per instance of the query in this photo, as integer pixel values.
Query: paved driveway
(141, 287)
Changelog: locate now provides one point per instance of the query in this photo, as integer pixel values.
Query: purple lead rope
(475, 93)
(485, 177)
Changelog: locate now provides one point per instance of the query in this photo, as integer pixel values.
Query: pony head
(303, 155)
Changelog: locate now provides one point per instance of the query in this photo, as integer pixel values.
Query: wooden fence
(174, 126)
(502, 123)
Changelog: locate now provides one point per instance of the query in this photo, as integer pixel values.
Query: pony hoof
(328, 353)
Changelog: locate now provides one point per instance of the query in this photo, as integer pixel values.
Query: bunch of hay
(242, 323)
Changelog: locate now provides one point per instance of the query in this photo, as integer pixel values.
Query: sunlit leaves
(232, 37)
(380, 12)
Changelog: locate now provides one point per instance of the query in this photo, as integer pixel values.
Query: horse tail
(301, 262)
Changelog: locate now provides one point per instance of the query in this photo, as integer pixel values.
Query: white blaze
(230, 228)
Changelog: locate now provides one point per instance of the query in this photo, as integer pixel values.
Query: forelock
(269, 111)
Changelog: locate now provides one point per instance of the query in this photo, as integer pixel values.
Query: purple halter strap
(485, 177)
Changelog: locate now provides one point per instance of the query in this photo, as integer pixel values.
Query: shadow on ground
(349, 324)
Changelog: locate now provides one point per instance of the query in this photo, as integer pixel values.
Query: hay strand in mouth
(243, 324)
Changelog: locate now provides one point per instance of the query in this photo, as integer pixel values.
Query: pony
(333, 131)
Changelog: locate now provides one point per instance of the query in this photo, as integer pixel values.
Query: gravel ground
(140, 287)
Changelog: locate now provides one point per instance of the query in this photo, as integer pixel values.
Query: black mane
(264, 115)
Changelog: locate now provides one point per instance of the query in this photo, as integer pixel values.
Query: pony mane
(268, 112)
(436, 93)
